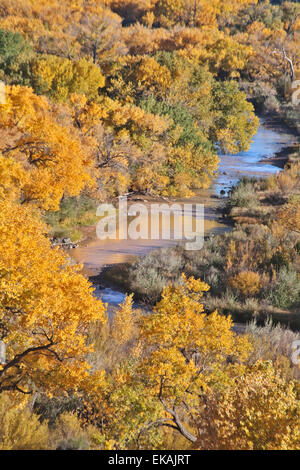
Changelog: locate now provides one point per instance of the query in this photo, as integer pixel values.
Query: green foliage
(180, 115)
(244, 195)
(149, 274)
(73, 212)
(235, 122)
(252, 270)
(15, 54)
(286, 291)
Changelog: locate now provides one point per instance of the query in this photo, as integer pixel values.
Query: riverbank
(252, 271)
(111, 264)
(282, 158)
(266, 155)
(285, 155)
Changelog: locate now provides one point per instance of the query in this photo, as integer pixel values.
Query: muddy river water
(266, 143)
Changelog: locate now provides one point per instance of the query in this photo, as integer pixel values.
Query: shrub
(149, 275)
(251, 305)
(273, 342)
(147, 283)
(280, 260)
(271, 183)
(285, 292)
(69, 433)
(248, 283)
(19, 428)
(259, 411)
(72, 210)
(285, 182)
(75, 235)
(297, 247)
(271, 104)
(244, 195)
(49, 409)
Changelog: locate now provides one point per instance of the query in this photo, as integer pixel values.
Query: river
(266, 143)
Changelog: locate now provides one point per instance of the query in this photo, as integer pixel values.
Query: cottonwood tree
(46, 307)
(177, 354)
(259, 411)
(50, 152)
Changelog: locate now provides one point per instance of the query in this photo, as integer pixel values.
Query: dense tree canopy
(58, 56)
(105, 98)
(46, 306)
(50, 152)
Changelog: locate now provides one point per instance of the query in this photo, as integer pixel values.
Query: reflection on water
(110, 296)
(266, 143)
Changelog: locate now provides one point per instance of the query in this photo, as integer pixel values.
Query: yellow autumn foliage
(61, 77)
(51, 154)
(19, 428)
(246, 282)
(123, 323)
(46, 307)
(260, 411)
(178, 330)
